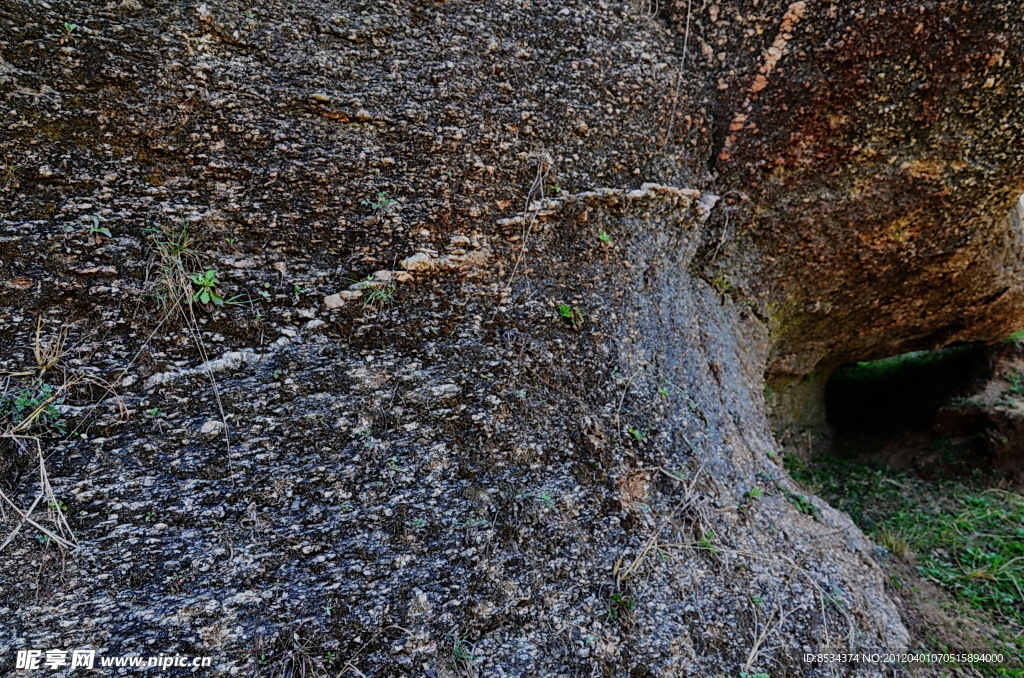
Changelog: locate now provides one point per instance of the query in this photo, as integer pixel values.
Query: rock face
(871, 147)
(538, 445)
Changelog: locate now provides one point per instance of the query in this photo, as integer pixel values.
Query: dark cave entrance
(917, 412)
(900, 394)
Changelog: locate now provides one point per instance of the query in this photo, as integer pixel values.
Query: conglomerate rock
(493, 406)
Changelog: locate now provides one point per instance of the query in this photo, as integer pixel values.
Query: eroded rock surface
(548, 446)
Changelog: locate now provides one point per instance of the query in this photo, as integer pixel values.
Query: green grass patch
(1015, 338)
(961, 534)
(35, 400)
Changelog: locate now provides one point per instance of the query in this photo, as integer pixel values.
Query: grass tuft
(962, 535)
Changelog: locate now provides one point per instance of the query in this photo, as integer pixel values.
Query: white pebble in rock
(212, 428)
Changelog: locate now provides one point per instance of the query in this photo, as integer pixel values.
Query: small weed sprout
(32, 408)
(208, 284)
(49, 353)
(378, 295)
(208, 293)
(619, 606)
(1016, 380)
(68, 33)
(707, 543)
(571, 314)
(96, 231)
(640, 435)
(179, 282)
(722, 283)
(603, 236)
(366, 436)
(381, 204)
(463, 656)
(802, 504)
(174, 261)
(545, 500)
(467, 524)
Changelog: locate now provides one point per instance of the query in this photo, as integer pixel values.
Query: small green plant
(208, 284)
(722, 283)
(462, 654)
(377, 294)
(32, 408)
(95, 231)
(620, 606)
(1016, 380)
(545, 500)
(555, 189)
(707, 543)
(367, 437)
(754, 493)
(640, 435)
(155, 413)
(68, 33)
(209, 292)
(382, 203)
(571, 314)
(173, 259)
(796, 467)
(603, 236)
(802, 504)
(416, 523)
(171, 241)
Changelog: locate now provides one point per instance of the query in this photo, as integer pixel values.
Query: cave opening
(899, 394)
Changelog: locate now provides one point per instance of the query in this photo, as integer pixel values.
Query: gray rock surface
(546, 453)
